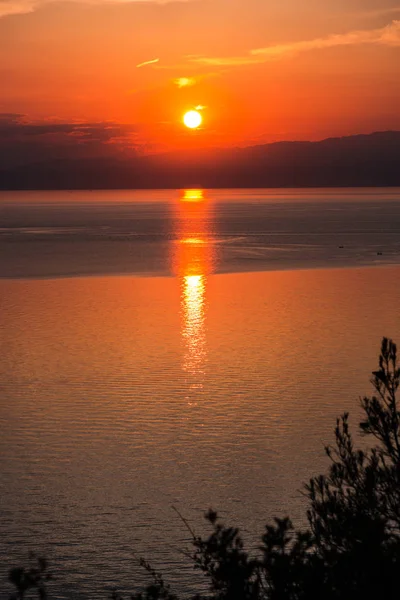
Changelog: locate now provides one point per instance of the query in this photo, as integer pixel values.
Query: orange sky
(262, 70)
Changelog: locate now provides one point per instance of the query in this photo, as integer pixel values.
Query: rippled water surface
(213, 381)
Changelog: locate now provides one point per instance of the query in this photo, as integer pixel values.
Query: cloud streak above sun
(385, 36)
(153, 61)
(184, 81)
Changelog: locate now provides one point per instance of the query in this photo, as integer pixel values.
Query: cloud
(389, 36)
(184, 81)
(148, 62)
(378, 12)
(16, 7)
(20, 7)
(225, 61)
(24, 141)
(386, 36)
(15, 127)
(10, 117)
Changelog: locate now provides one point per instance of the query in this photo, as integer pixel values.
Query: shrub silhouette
(351, 547)
(32, 577)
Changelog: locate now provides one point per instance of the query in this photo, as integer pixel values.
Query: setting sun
(192, 119)
(192, 195)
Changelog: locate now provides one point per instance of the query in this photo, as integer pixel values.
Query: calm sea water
(213, 380)
(53, 234)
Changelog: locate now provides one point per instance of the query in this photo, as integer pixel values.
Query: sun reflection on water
(193, 261)
(193, 332)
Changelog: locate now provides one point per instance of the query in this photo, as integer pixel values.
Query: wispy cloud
(16, 7)
(225, 61)
(20, 7)
(389, 36)
(148, 62)
(378, 12)
(386, 36)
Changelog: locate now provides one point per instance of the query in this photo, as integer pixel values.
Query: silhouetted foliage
(29, 578)
(157, 590)
(351, 548)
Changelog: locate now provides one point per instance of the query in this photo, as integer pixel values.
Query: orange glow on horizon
(254, 75)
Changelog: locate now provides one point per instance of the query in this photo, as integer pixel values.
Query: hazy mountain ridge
(359, 160)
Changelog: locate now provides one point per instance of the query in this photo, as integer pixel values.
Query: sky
(109, 76)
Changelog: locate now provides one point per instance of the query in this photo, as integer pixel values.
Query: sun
(192, 119)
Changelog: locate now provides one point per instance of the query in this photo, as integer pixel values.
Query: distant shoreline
(150, 188)
(366, 160)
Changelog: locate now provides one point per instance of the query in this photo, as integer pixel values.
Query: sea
(164, 352)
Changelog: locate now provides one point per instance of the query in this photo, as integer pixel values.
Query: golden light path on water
(193, 259)
(193, 298)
